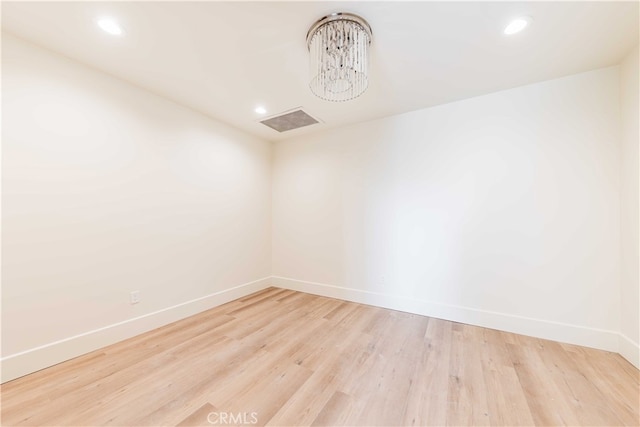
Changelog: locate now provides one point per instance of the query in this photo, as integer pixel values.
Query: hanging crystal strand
(363, 51)
(354, 63)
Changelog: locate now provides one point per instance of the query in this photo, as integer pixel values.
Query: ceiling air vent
(289, 121)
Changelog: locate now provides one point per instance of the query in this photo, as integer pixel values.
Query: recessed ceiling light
(261, 110)
(517, 25)
(110, 26)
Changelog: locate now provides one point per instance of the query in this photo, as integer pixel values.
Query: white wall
(630, 288)
(501, 210)
(108, 189)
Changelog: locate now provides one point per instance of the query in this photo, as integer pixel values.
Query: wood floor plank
(336, 412)
(133, 388)
(427, 400)
(328, 375)
(466, 403)
(547, 404)
(200, 417)
(295, 359)
(623, 395)
(226, 364)
(118, 356)
(569, 376)
(269, 393)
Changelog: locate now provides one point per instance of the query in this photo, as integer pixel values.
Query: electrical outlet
(134, 297)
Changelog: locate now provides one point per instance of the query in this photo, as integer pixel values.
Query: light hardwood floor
(288, 358)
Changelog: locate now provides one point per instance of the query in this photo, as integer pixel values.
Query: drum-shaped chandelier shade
(339, 56)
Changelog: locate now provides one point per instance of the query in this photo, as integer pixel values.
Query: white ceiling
(224, 58)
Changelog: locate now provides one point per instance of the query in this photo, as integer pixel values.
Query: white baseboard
(630, 350)
(556, 331)
(23, 363)
(26, 362)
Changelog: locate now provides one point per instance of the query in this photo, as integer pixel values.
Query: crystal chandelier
(339, 56)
